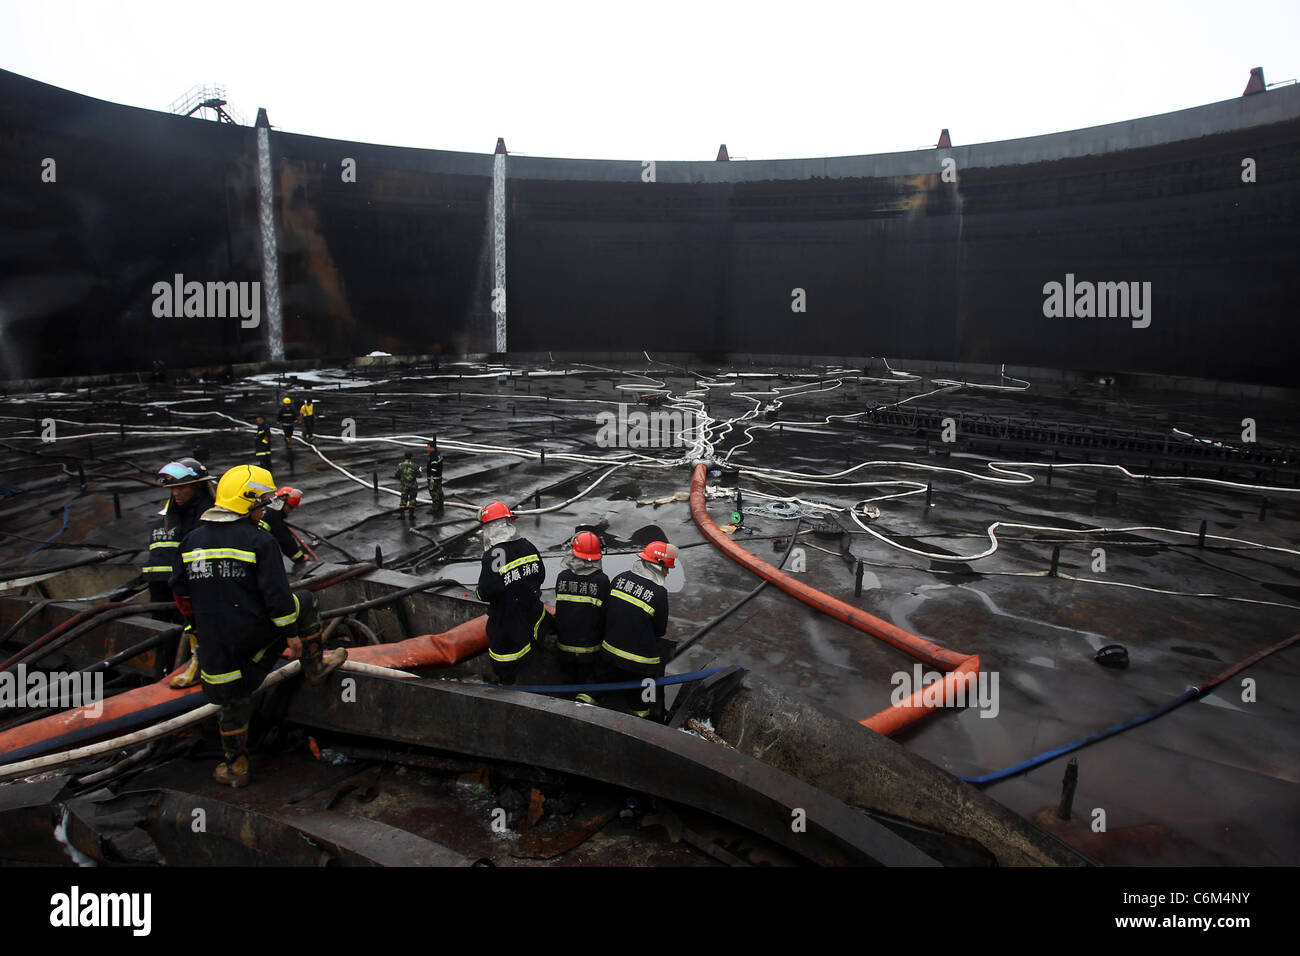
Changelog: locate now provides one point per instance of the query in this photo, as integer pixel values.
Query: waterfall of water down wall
(270, 251)
(499, 248)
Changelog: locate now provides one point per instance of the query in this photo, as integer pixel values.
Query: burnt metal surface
(185, 829)
(28, 816)
(1211, 784)
(1082, 439)
(866, 769)
(611, 747)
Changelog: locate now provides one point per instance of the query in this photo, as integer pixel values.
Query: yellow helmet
(286, 400)
(244, 488)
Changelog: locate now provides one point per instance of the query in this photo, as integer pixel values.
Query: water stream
(270, 249)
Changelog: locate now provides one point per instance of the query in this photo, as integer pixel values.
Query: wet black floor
(1214, 782)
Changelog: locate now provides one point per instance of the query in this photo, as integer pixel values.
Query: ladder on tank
(207, 97)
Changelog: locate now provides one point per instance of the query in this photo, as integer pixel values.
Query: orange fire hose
(959, 667)
(427, 650)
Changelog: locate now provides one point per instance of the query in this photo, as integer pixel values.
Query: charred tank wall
(390, 261)
(893, 257)
(897, 260)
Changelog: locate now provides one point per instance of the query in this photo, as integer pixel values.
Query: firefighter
(191, 495)
(510, 580)
(407, 473)
(232, 581)
(433, 476)
(262, 443)
(581, 591)
(307, 417)
(636, 616)
(277, 513)
(287, 419)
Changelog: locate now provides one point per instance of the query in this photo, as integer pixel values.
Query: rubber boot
(234, 772)
(318, 663)
(190, 676)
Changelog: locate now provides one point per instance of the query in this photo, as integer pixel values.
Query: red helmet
(292, 497)
(586, 546)
(498, 509)
(660, 553)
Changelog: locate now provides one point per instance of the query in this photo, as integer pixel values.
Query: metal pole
(1068, 785)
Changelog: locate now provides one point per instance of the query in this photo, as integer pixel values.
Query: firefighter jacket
(510, 580)
(262, 443)
(580, 601)
(636, 614)
(287, 416)
(273, 522)
(234, 579)
(165, 541)
(433, 469)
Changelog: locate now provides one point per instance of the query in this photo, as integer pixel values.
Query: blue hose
(1190, 694)
(9, 491)
(65, 741)
(183, 705)
(62, 527)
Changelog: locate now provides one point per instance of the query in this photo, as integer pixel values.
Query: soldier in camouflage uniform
(408, 473)
(433, 475)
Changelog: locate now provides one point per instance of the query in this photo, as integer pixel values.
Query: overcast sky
(661, 80)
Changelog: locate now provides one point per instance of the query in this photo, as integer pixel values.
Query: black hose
(33, 572)
(31, 612)
(682, 647)
(320, 537)
(388, 598)
(63, 640)
(357, 629)
(135, 650)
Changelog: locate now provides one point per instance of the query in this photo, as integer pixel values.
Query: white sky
(660, 79)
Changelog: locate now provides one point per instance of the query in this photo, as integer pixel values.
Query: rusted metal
(614, 748)
(545, 842)
(109, 638)
(869, 770)
(28, 816)
(168, 826)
